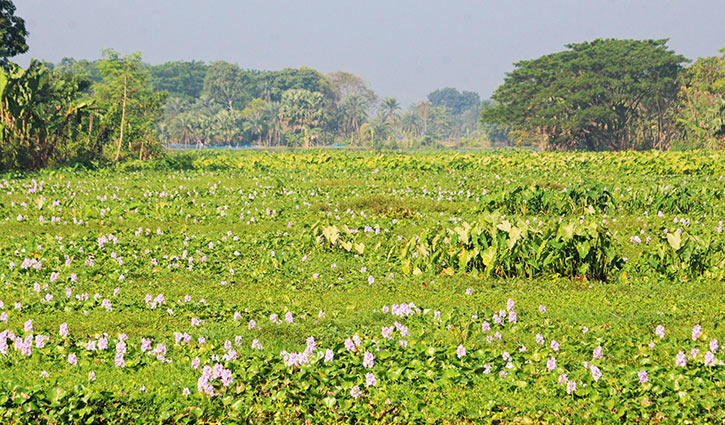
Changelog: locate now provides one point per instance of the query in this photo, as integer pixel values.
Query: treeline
(614, 95)
(221, 104)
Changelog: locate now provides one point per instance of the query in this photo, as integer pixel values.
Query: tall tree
(455, 102)
(590, 96)
(300, 111)
(179, 79)
(228, 85)
(701, 114)
(129, 102)
(12, 33)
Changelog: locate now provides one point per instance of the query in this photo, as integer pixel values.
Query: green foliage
(179, 79)
(127, 107)
(494, 246)
(702, 111)
(455, 102)
(41, 116)
(597, 95)
(12, 33)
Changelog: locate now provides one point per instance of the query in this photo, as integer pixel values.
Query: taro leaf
(488, 256)
(675, 240)
(331, 234)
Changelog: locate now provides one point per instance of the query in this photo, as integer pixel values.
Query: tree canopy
(596, 95)
(12, 32)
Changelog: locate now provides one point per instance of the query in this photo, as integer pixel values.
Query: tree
(701, 114)
(390, 108)
(12, 33)
(455, 102)
(130, 105)
(593, 96)
(41, 118)
(271, 85)
(227, 84)
(345, 84)
(179, 79)
(300, 111)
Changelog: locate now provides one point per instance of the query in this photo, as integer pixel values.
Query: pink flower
(512, 317)
(355, 392)
(368, 360)
(63, 330)
(571, 387)
(642, 374)
(485, 326)
(554, 345)
(696, 332)
(371, 280)
(370, 380)
(709, 359)
(551, 363)
(329, 355)
(349, 345)
(596, 373)
(72, 359)
(510, 305)
(542, 309)
(660, 331)
(680, 360)
(29, 326)
(288, 317)
(461, 351)
(597, 353)
(539, 339)
(256, 344)
(714, 345)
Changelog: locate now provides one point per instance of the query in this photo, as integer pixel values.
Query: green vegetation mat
(320, 287)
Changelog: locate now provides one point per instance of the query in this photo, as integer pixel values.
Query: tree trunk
(123, 118)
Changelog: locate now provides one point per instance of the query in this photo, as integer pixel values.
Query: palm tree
(354, 113)
(257, 125)
(390, 107)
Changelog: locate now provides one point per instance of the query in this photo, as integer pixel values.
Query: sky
(402, 48)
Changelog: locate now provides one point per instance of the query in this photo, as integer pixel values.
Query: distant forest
(221, 104)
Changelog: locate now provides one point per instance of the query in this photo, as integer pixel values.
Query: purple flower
(256, 345)
(355, 392)
(510, 305)
(660, 331)
(370, 380)
(642, 374)
(696, 332)
(539, 339)
(28, 326)
(288, 317)
(371, 280)
(461, 351)
(63, 330)
(485, 326)
(714, 345)
(368, 360)
(597, 353)
(551, 363)
(571, 387)
(329, 356)
(680, 360)
(512, 316)
(596, 373)
(72, 359)
(349, 345)
(554, 345)
(542, 309)
(709, 359)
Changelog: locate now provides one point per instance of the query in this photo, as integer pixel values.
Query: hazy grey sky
(403, 48)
